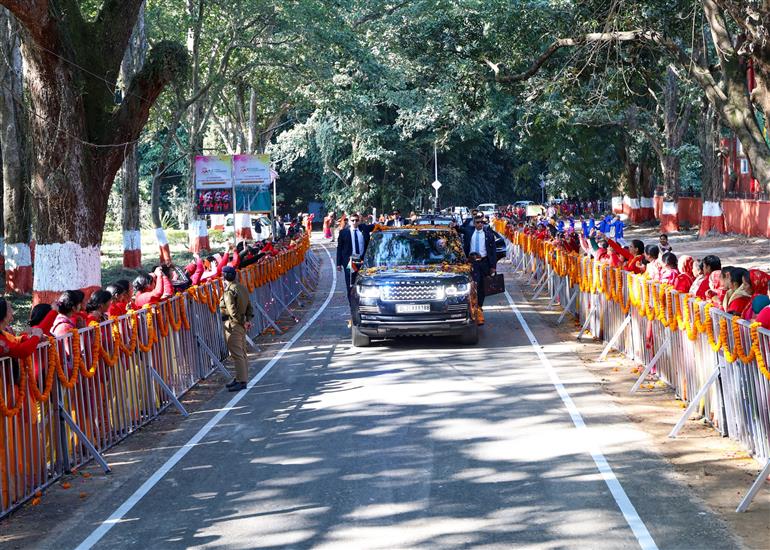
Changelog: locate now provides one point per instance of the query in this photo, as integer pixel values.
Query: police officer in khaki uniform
(236, 314)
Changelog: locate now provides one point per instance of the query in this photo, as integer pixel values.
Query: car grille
(453, 308)
(368, 309)
(412, 291)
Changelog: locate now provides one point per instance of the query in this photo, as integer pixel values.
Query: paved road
(415, 443)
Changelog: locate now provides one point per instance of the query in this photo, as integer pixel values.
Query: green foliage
(352, 96)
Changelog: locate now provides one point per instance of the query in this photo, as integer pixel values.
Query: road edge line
(99, 533)
(628, 510)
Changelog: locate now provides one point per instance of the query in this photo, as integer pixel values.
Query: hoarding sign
(213, 171)
(251, 170)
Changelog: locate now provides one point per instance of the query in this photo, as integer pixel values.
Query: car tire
(358, 338)
(471, 335)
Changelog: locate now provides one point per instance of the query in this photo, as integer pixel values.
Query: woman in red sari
(739, 296)
(685, 279)
(15, 459)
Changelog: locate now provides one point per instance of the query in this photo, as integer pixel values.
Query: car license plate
(412, 308)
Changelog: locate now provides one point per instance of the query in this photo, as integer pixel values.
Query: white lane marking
(153, 480)
(605, 470)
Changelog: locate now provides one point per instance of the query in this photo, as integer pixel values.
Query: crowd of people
(332, 225)
(72, 310)
(561, 209)
(733, 289)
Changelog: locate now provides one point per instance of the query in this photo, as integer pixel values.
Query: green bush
(218, 236)
(177, 236)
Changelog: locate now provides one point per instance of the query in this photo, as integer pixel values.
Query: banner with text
(251, 175)
(213, 171)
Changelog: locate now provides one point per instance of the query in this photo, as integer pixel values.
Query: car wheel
(471, 335)
(359, 339)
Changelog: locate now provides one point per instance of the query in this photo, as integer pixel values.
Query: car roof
(424, 219)
(410, 228)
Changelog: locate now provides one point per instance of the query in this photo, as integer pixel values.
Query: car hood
(413, 274)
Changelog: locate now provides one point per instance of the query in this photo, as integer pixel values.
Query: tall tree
(132, 235)
(16, 211)
(72, 64)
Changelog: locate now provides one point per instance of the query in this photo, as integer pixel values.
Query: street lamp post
(436, 184)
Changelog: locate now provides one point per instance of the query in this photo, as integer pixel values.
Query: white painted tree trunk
(242, 224)
(163, 247)
(199, 236)
(65, 266)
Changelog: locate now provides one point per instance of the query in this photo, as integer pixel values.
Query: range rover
(414, 281)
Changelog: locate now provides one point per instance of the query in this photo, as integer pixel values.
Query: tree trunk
(132, 235)
(79, 136)
(16, 208)
(626, 181)
(253, 132)
(712, 189)
(646, 192)
(732, 98)
(675, 127)
(69, 200)
(199, 239)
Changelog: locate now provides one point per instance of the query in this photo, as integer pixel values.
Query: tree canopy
(350, 97)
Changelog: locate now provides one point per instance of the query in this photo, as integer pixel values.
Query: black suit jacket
(392, 223)
(345, 243)
(489, 242)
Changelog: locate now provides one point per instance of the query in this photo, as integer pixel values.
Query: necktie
(355, 242)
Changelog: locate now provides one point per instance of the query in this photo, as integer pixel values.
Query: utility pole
(436, 184)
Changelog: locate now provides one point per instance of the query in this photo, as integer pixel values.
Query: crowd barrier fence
(715, 362)
(80, 394)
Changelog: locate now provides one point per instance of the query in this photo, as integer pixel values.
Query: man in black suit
(479, 246)
(352, 241)
(468, 222)
(395, 219)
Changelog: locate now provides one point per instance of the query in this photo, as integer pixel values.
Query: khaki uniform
(236, 312)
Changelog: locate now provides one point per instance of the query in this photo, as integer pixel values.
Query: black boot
(238, 386)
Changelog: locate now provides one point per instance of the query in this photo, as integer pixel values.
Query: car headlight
(368, 291)
(458, 290)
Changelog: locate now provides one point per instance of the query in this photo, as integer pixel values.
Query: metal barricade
(731, 392)
(98, 385)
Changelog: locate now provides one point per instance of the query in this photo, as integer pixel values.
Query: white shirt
(478, 243)
(357, 244)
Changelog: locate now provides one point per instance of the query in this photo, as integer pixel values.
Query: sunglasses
(354, 220)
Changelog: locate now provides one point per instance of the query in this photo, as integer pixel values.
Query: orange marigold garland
(32, 384)
(78, 363)
(757, 353)
(176, 323)
(68, 381)
(130, 348)
(151, 335)
(625, 304)
(18, 397)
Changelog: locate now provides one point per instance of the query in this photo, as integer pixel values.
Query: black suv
(413, 281)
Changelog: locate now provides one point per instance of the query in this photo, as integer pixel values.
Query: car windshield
(413, 247)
